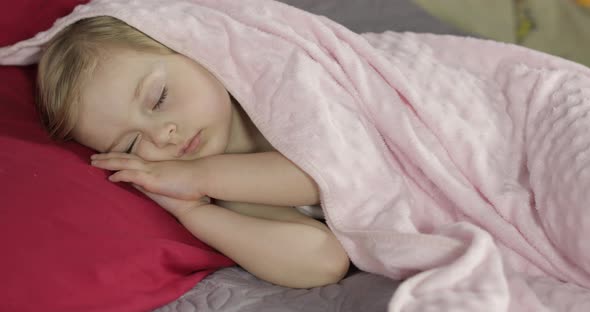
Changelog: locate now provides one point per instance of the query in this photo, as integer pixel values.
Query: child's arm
(277, 244)
(286, 248)
(266, 178)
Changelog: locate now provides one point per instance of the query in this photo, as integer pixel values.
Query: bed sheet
(233, 289)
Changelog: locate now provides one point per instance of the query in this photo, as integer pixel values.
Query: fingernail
(93, 156)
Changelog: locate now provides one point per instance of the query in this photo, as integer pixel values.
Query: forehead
(107, 95)
(118, 69)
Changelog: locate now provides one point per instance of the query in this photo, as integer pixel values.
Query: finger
(153, 196)
(137, 177)
(143, 190)
(162, 200)
(114, 155)
(116, 164)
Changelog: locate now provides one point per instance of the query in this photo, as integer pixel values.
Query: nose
(163, 134)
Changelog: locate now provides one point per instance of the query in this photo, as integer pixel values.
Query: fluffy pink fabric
(457, 163)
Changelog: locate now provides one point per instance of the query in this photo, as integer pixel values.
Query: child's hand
(176, 207)
(178, 179)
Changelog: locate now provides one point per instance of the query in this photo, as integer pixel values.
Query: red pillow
(72, 240)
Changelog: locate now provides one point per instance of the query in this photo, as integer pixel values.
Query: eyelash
(162, 98)
(130, 148)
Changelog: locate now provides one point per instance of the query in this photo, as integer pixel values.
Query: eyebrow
(138, 90)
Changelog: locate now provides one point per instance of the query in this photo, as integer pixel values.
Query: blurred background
(558, 27)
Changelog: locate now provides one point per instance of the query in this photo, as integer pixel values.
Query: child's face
(154, 106)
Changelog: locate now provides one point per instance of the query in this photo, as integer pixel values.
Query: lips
(191, 145)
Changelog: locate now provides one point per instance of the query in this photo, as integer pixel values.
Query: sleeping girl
(163, 123)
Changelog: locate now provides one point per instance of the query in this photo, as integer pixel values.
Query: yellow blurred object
(559, 27)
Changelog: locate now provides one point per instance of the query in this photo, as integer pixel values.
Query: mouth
(191, 145)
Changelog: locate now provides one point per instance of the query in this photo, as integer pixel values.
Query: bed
(226, 289)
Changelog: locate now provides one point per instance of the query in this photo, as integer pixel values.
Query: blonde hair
(71, 57)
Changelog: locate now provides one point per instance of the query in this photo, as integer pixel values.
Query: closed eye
(161, 99)
(130, 148)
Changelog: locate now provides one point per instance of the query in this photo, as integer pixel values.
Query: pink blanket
(459, 164)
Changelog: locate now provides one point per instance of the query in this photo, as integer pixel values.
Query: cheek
(94, 141)
(219, 106)
(147, 151)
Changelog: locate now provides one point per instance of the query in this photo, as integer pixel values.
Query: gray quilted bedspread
(233, 289)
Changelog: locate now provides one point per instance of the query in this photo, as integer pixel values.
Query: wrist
(201, 177)
(189, 210)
